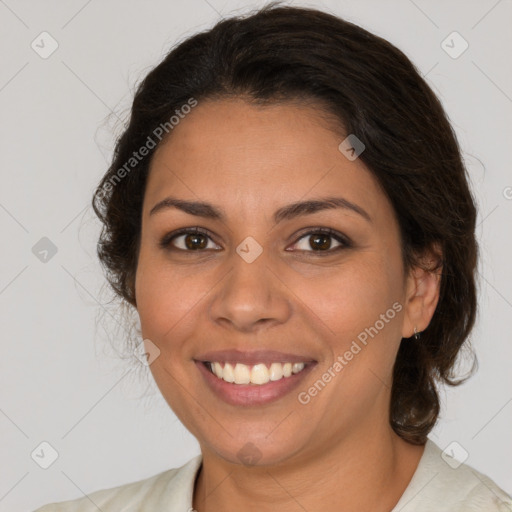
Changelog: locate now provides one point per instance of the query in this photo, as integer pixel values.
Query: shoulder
(169, 490)
(443, 484)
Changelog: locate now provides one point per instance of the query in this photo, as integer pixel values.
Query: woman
(289, 214)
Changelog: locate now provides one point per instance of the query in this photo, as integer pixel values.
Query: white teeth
(228, 373)
(242, 374)
(217, 369)
(276, 371)
(297, 367)
(258, 374)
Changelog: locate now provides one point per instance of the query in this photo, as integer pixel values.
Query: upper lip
(253, 357)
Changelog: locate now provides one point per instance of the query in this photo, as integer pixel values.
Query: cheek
(352, 298)
(361, 306)
(165, 296)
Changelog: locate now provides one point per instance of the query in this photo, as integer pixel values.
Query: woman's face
(250, 282)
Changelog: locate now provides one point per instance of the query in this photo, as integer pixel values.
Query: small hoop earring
(416, 334)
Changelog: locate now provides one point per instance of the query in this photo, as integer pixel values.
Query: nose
(251, 297)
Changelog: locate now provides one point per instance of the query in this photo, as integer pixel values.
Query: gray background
(61, 380)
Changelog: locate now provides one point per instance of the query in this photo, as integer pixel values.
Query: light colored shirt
(436, 486)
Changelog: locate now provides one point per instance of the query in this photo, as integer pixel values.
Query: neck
(369, 471)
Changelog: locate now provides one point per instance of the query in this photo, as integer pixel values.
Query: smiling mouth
(258, 374)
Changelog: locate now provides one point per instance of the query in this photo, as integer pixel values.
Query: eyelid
(339, 237)
(166, 240)
(345, 242)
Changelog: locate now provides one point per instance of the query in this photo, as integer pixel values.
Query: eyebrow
(288, 212)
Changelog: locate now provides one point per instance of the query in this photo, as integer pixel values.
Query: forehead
(231, 150)
(234, 126)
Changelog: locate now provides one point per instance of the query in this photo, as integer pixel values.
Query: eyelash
(165, 242)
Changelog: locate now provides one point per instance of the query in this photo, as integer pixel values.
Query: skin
(338, 451)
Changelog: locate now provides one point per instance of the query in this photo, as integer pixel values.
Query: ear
(423, 285)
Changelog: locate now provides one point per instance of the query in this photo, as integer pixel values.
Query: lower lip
(252, 394)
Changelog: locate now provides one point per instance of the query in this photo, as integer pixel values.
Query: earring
(416, 334)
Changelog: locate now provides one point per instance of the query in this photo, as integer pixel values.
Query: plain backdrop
(61, 382)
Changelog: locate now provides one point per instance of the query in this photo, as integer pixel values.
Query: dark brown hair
(284, 53)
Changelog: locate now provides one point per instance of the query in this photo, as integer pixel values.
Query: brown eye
(321, 241)
(188, 240)
(195, 241)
